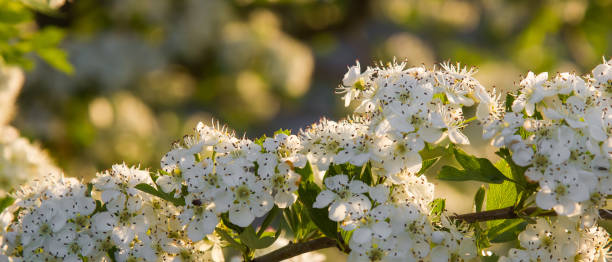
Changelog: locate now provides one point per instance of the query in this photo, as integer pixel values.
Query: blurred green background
(145, 72)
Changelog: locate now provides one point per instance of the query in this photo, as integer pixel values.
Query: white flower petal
(324, 199)
(241, 216)
(358, 187)
(284, 199)
(362, 235)
(380, 193)
(338, 211)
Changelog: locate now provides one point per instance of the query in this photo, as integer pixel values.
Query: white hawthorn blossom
(534, 89)
(562, 239)
(372, 187)
(344, 198)
(559, 147)
(245, 201)
(200, 218)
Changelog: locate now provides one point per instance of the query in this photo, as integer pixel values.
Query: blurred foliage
(146, 71)
(19, 36)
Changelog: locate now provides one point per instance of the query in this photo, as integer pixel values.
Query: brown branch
(509, 212)
(296, 249)
(292, 250)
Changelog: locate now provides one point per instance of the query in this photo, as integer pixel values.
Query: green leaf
(501, 196)
(366, 174)
(347, 169)
(477, 169)
(298, 220)
(158, 193)
(269, 218)
(507, 230)
(48, 37)
(479, 198)
(6, 202)
(504, 194)
(45, 43)
(99, 207)
(259, 141)
(305, 172)
(89, 189)
(227, 223)
(57, 58)
(509, 101)
(493, 258)
(11, 12)
(249, 238)
(283, 131)
(307, 193)
(227, 237)
(517, 173)
(481, 237)
(427, 163)
(437, 206)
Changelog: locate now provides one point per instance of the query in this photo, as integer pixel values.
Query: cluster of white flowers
(20, 160)
(50, 219)
(560, 240)
(372, 184)
(561, 130)
(398, 111)
(57, 218)
(391, 221)
(414, 103)
(222, 173)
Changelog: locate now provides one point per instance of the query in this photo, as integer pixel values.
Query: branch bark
(296, 249)
(292, 249)
(509, 212)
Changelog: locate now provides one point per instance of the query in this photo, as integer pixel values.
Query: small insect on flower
(196, 202)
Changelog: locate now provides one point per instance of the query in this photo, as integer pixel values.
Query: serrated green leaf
(466, 161)
(260, 140)
(506, 231)
(6, 202)
(517, 173)
(474, 168)
(479, 198)
(250, 239)
(298, 220)
(283, 131)
(501, 195)
(504, 194)
(427, 163)
(227, 237)
(158, 193)
(307, 193)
